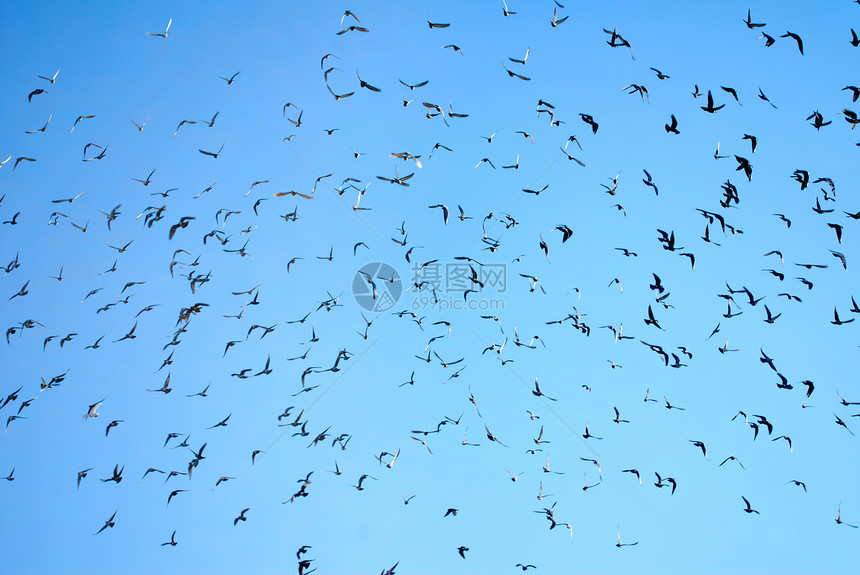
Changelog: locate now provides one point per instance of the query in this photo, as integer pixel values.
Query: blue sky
(111, 69)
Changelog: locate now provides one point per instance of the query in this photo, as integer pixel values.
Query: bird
(433, 25)
(700, 445)
(750, 24)
(796, 39)
(590, 121)
(18, 161)
(710, 108)
(53, 78)
(513, 74)
(181, 224)
(733, 92)
(241, 516)
(83, 474)
(839, 518)
(364, 84)
(617, 41)
(139, 126)
(414, 86)
(538, 393)
(648, 181)
(748, 508)
(111, 425)
(43, 128)
(117, 475)
(229, 81)
(673, 128)
(817, 120)
(352, 29)
(765, 99)
(444, 211)
(173, 494)
(555, 20)
(213, 154)
(837, 321)
(620, 544)
(172, 541)
(79, 118)
(523, 61)
(93, 410)
(842, 424)
(162, 34)
(588, 435)
(732, 458)
(108, 523)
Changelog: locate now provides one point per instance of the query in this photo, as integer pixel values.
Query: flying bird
(162, 34)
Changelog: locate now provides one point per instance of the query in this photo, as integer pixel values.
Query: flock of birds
(197, 260)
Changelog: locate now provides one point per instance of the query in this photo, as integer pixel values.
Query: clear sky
(222, 180)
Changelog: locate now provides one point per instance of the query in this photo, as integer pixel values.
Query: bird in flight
(213, 154)
(229, 81)
(108, 523)
(162, 34)
(748, 508)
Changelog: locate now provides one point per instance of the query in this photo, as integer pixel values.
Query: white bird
(93, 410)
(163, 35)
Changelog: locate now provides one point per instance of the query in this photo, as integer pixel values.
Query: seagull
(93, 410)
(839, 518)
(163, 34)
(555, 21)
(213, 154)
(53, 78)
(229, 81)
(620, 544)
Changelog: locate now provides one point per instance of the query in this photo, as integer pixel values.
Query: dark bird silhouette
(433, 25)
(765, 98)
(229, 81)
(590, 121)
(839, 518)
(108, 523)
(673, 128)
(750, 24)
(241, 516)
(213, 154)
(710, 108)
(748, 508)
(796, 39)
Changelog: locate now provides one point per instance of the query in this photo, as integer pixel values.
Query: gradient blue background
(111, 68)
